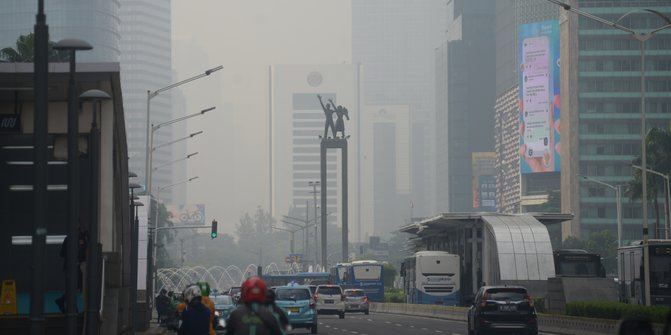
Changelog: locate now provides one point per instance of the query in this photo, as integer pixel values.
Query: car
(356, 301)
(330, 300)
(223, 307)
(299, 305)
(502, 308)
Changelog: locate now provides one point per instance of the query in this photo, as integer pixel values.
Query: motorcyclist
(196, 316)
(205, 294)
(278, 312)
(252, 317)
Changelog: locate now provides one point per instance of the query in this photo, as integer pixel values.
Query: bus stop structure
(494, 249)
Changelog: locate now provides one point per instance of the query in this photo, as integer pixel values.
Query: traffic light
(213, 234)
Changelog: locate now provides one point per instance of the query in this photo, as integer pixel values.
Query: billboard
(484, 181)
(538, 60)
(181, 215)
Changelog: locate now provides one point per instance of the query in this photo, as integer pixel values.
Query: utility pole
(314, 192)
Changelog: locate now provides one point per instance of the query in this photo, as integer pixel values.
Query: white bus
(431, 277)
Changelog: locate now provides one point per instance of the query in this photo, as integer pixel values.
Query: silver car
(356, 301)
(330, 300)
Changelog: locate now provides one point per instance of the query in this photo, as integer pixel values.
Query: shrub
(539, 303)
(393, 295)
(616, 310)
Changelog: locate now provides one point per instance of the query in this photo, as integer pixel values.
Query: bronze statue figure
(340, 123)
(328, 111)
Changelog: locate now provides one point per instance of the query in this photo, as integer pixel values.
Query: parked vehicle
(502, 308)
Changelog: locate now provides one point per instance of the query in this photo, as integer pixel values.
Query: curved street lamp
(151, 95)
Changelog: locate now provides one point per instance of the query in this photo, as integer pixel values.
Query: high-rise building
(96, 22)
(516, 191)
(601, 99)
(394, 41)
(385, 169)
(146, 66)
(464, 100)
(297, 121)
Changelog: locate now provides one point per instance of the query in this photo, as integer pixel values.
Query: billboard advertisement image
(538, 59)
(181, 215)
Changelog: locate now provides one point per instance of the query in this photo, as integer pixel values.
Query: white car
(330, 299)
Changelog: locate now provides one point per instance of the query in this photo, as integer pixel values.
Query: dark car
(356, 301)
(502, 309)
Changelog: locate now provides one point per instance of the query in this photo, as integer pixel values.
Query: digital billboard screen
(538, 59)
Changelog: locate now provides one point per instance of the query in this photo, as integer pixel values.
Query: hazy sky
(245, 36)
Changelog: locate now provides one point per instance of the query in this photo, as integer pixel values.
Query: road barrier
(550, 323)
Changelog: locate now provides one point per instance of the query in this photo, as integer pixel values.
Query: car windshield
(292, 294)
(329, 290)
(354, 293)
(222, 300)
(506, 294)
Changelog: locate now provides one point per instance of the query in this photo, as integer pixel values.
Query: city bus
(431, 277)
(366, 275)
(632, 275)
(578, 263)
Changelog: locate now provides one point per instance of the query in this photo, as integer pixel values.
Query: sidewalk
(154, 328)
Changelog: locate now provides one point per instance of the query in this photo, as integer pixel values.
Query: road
(386, 324)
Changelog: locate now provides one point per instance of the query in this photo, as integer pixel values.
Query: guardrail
(550, 323)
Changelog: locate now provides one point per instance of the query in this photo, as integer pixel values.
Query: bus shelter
(494, 249)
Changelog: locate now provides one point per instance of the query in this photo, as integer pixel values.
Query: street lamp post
(40, 199)
(154, 239)
(93, 267)
(151, 95)
(642, 37)
(618, 206)
(314, 192)
(72, 45)
(667, 192)
(175, 161)
(151, 148)
(132, 296)
(292, 232)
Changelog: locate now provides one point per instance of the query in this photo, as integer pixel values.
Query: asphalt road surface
(385, 324)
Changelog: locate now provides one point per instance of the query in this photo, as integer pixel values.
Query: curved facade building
(96, 22)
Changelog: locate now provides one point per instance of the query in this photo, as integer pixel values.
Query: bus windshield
(660, 271)
(367, 272)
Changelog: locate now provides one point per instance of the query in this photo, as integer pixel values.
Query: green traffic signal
(213, 234)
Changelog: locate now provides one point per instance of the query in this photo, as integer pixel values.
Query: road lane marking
(424, 329)
(370, 320)
(398, 325)
(412, 326)
(439, 331)
(387, 322)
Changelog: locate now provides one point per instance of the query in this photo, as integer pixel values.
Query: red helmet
(254, 290)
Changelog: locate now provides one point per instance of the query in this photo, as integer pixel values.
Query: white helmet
(191, 292)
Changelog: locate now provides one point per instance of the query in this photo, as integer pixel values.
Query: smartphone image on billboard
(536, 97)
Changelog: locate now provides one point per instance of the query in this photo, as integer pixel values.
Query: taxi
(299, 305)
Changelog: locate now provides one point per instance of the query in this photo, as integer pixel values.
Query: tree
(389, 272)
(658, 158)
(25, 51)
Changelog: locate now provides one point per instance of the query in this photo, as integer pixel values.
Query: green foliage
(393, 295)
(24, 51)
(616, 310)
